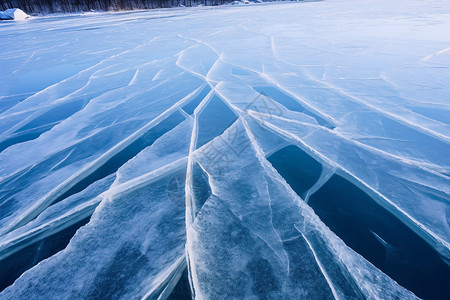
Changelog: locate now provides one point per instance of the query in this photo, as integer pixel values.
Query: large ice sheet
(277, 249)
(130, 246)
(132, 114)
(82, 143)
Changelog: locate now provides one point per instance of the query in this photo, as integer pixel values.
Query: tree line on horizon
(69, 6)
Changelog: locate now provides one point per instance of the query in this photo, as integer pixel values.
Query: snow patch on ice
(13, 14)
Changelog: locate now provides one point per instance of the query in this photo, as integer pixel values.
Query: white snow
(169, 94)
(13, 14)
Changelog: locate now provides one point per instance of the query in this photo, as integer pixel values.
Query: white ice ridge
(157, 128)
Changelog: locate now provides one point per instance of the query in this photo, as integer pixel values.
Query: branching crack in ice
(277, 151)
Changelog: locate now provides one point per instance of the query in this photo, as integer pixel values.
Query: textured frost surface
(213, 141)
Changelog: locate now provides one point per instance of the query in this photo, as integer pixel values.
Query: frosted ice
(201, 140)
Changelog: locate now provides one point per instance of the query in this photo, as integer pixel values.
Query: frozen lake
(297, 150)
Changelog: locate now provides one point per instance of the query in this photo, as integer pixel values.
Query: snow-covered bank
(36, 7)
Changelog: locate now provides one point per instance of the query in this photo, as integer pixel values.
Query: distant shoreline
(37, 8)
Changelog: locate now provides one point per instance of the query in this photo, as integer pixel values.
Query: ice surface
(207, 140)
(267, 248)
(135, 235)
(56, 218)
